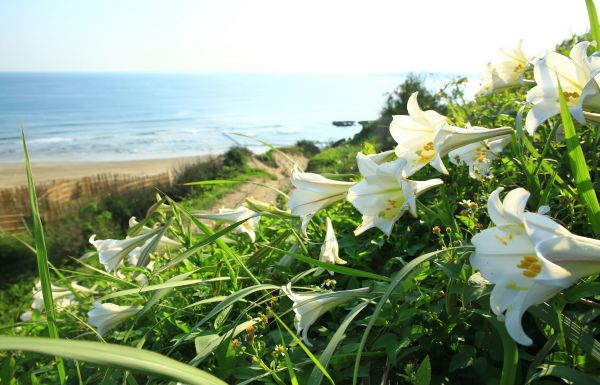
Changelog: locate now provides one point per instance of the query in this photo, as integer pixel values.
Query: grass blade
(144, 257)
(395, 282)
(166, 286)
(335, 268)
(571, 375)
(306, 350)
(219, 242)
(316, 376)
(42, 258)
(230, 300)
(288, 361)
(594, 25)
(113, 356)
(579, 169)
(204, 242)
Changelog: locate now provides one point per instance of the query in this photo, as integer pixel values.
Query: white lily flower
(576, 75)
(62, 296)
(106, 316)
(384, 195)
(330, 249)
(235, 215)
(425, 137)
(529, 258)
(309, 307)
(112, 251)
(478, 156)
(508, 72)
(314, 192)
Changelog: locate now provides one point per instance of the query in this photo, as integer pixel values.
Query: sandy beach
(13, 174)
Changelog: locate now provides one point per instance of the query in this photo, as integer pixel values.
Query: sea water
(126, 116)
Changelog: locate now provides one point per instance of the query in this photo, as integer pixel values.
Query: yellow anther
(570, 95)
(530, 265)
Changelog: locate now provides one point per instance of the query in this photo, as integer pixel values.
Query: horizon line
(159, 72)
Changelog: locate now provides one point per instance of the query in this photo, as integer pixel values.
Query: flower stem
(511, 354)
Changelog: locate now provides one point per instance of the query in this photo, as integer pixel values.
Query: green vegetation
(404, 308)
(109, 218)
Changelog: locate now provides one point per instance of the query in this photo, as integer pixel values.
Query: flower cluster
(527, 256)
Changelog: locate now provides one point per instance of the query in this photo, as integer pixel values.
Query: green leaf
(220, 244)
(306, 350)
(163, 291)
(144, 257)
(170, 284)
(115, 356)
(238, 295)
(42, 258)
(581, 337)
(571, 375)
(423, 375)
(316, 376)
(579, 169)
(335, 268)
(594, 25)
(396, 280)
(204, 242)
(288, 361)
(541, 356)
(206, 344)
(577, 334)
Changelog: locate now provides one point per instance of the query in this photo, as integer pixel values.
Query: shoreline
(13, 174)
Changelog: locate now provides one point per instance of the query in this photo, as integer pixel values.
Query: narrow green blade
(579, 169)
(594, 25)
(42, 258)
(113, 356)
(393, 284)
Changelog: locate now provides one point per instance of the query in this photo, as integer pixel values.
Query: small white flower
(309, 307)
(576, 75)
(330, 249)
(508, 72)
(235, 215)
(384, 195)
(424, 137)
(312, 193)
(529, 258)
(107, 316)
(478, 156)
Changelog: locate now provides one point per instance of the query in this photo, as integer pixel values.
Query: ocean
(126, 116)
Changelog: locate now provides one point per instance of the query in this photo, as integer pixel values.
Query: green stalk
(511, 354)
(42, 259)
(579, 169)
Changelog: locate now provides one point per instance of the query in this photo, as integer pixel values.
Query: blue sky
(324, 36)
